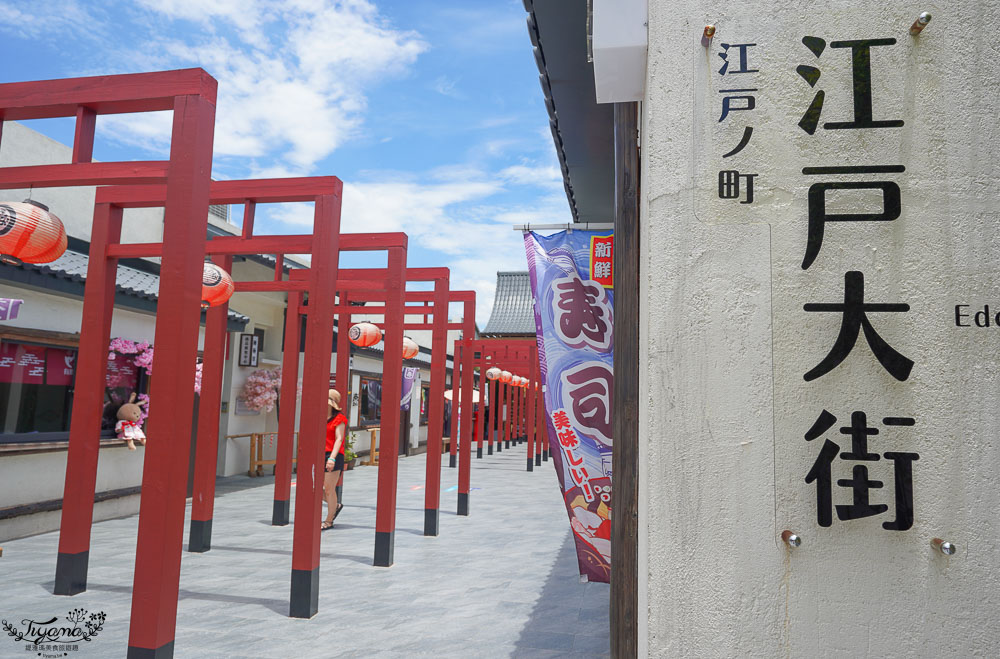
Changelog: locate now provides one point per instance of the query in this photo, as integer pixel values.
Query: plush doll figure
(128, 426)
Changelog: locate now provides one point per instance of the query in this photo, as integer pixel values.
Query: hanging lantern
(216, 286)
(505, 377)
(524, 383)
(493, 373)
(29, 233)
(410, 348)
(364, 335)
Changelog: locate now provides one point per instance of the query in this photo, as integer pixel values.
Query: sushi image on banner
(571, 282)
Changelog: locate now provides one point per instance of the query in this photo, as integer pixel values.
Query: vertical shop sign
(571, 281)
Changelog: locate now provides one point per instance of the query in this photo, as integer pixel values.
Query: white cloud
(292, 96)
(548, 176)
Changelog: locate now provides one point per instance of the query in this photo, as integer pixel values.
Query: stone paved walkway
(500, 583)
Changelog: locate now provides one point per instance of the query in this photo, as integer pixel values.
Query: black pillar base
(506, 443)
(545, 455)
(304, 600)
(279, 516)
(538, 459)
(384, 543)
(489, 449)
(431, 518)
(200, 537)
(479, 451)
(531, 464)
(71, 573)
(165, 651)
(452, 461)
(463, 503)
(499, 446)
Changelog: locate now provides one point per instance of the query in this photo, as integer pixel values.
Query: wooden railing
(373, 451)
(257, 440)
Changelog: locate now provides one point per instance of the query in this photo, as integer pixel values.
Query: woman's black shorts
(338, 463)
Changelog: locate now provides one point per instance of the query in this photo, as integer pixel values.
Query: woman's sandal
(340, 507)
(326, 526)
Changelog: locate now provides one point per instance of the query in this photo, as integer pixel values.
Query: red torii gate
(356, 280)
(441, 298)
(249, 193)
(525, 406)
(152, 589)
(191, 95)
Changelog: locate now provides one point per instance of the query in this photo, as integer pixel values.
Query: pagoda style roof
(513, 308)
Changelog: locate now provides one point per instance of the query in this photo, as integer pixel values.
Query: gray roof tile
(72, 266)
(513, 307)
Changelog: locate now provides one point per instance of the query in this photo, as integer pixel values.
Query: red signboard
(602, 249)
(59, 366)
(21, 363)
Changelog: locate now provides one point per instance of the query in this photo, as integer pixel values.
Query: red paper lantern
(410, 348)
(505, 377)
(29, 233)
(364, 335)
(216, 286)
(493, 373)
(524, 383)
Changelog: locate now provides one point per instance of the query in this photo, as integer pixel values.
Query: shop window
(370, 401)
(36, 388)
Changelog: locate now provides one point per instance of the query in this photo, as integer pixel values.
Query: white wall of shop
(74, 206)
(40, 476)
(725, 340)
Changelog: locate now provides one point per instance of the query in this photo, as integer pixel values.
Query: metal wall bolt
(791, 539)
(943, 546)
(706, 36)
(921, 22)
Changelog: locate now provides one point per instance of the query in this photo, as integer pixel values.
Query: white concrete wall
(21, 146)
(57, 313)
(725, 341)
(36, 477)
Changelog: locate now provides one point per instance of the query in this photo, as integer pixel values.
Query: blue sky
(429, 110)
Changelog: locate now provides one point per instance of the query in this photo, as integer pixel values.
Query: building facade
(816, 253)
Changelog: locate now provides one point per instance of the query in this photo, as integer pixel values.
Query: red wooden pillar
(522, 413)
(343, 371)
(88, 401)
(506, 415)
(491, 422)
(206, 457)
(465, 446)
(543, 421)
(518, 413)
(456, 404)
(539, 413)
(392, 384)
(435, 419)
(286, 413)
(481, 418)
(514, 394)
(178, 312)
(344, 354)
(529, 425)
(304, 592)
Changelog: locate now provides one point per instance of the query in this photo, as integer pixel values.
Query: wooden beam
(624, 611)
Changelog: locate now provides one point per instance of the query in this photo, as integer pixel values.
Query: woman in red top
(336, 429)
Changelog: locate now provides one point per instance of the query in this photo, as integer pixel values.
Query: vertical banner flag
(571, 280)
